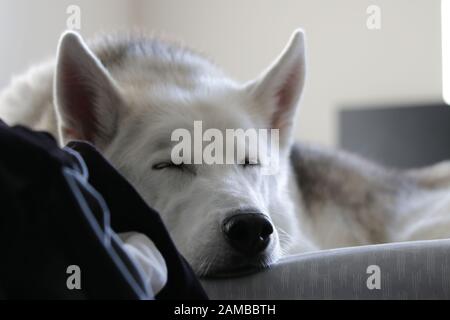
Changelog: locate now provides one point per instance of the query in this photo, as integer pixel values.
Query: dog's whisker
(207, 262)
(283, 235)
(285, 240)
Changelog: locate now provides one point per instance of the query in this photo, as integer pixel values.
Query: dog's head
(224, 218)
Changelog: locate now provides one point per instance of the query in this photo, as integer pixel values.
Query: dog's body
(129, 95)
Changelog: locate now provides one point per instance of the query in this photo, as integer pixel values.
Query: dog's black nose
(249, 233)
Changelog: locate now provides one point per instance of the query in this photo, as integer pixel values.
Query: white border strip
(445, 34)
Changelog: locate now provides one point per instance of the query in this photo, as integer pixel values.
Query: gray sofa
(409, 270)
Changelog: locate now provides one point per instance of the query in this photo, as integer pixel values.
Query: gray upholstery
(409, 270)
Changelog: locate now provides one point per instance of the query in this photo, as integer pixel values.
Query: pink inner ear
(78, 104)
(285, 98)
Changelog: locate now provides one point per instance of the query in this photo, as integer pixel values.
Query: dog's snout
(249, 233)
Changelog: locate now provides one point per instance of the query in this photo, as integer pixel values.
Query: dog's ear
(277, 91)
(86, 98)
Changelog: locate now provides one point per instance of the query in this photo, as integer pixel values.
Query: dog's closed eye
(250, 163)
(171, 165)
(163, 165)
(166, 165)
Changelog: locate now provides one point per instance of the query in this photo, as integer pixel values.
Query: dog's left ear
(278, 90)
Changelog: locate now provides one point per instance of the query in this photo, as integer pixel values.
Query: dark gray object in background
(402, 137)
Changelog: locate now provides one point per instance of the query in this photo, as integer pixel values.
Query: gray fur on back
(364, 191)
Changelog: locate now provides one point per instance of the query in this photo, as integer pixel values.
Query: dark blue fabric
(60, 209)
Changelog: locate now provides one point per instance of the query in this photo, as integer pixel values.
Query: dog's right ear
(87, 99)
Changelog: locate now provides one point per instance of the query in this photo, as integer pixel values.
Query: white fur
(138, 103)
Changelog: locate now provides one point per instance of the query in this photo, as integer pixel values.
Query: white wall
(30, 29)
(348, 64)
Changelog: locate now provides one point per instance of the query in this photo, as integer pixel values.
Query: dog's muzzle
(248, 233)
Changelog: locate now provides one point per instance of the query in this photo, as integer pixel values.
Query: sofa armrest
(408, 270)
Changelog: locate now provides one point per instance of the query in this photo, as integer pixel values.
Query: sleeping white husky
(128, 94)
